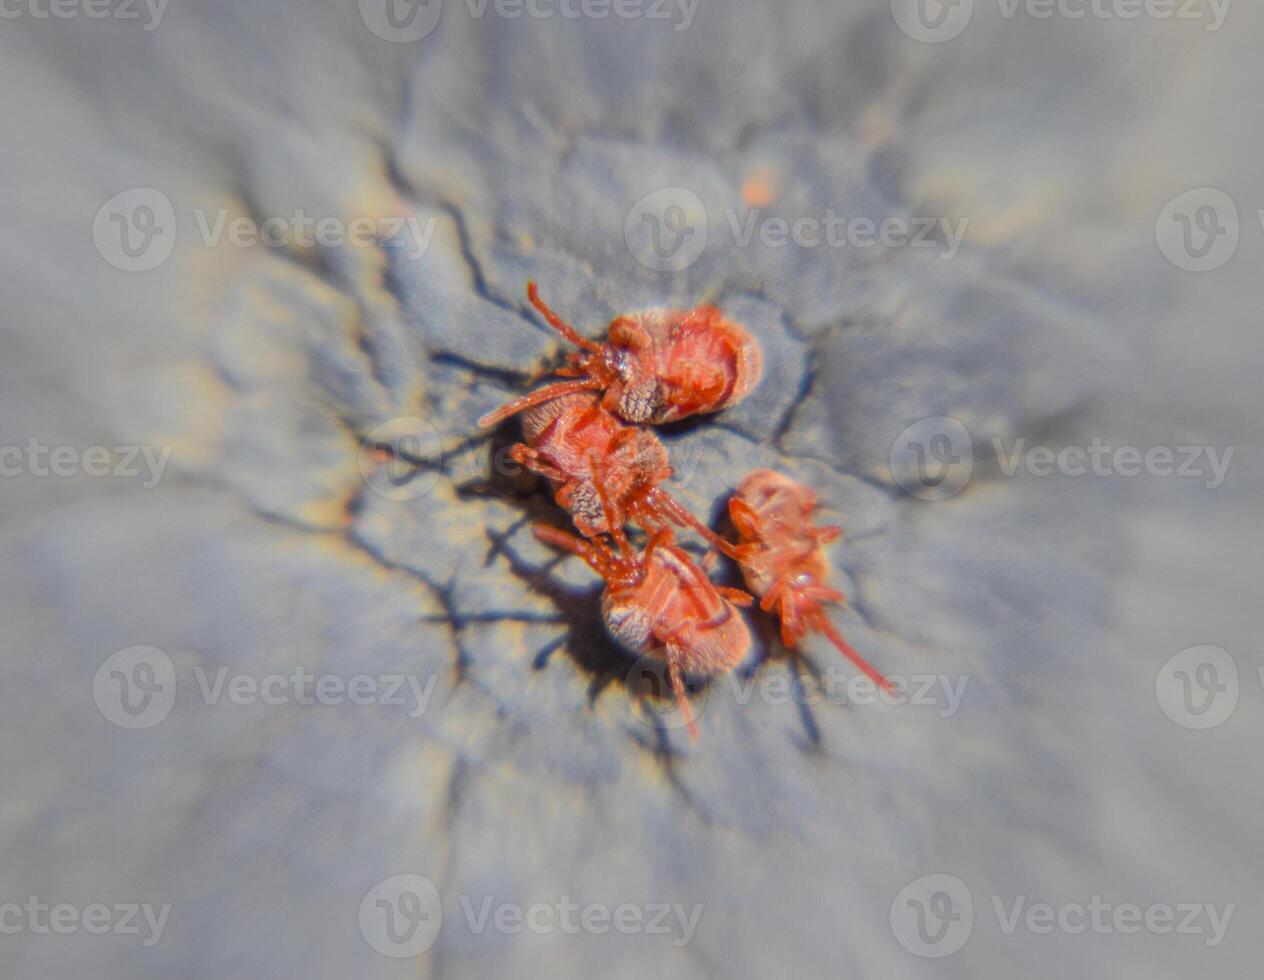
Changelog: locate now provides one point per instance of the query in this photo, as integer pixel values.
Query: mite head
(641, 457)
(768, 506)
(580, 499)
(665, 365)
(784, 563)
(627, 368)
(780, 553)
(762, 489)
(656, 366)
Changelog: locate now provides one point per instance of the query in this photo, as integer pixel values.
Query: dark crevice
(508, 377)
(782, 428)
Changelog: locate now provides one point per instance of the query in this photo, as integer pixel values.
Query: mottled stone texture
(535, 771)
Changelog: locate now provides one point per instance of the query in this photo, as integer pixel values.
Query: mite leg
(826, 627)
(547, 393)
(557, 323)
(614, 513)
(774, 595)
(748, 526)
(596, 558)
(823, 593)
(524, 455)
(703, 594)
(745, 518)
(678, 689)
(658, 500)
(659, 538)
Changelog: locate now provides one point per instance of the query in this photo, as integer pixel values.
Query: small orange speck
(759, 189)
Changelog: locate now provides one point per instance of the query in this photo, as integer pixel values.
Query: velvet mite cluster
(589, 438)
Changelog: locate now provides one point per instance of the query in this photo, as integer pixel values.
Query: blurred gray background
(239, 449)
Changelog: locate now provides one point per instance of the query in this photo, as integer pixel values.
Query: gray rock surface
(519, 760)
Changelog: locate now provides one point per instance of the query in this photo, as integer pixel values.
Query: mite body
(660, 602)
(604, 473)
(783, 562)
(656, 366)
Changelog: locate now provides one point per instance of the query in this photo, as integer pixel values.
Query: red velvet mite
(656, 366)
(604, 473)
(661, 603)
(780, 554)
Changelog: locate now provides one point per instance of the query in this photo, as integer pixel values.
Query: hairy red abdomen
(675, 604)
